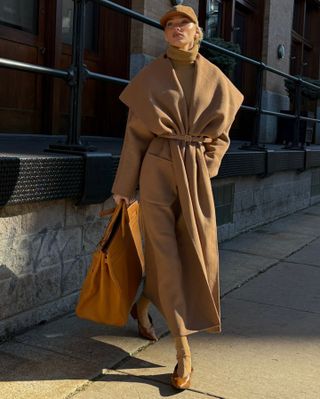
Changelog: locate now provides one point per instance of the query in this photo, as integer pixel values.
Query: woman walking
(181, 108)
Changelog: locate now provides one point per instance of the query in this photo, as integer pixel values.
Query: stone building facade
(277, 31)
(276, 36)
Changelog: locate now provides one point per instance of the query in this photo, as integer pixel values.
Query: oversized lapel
(215, 100)
(155, 95)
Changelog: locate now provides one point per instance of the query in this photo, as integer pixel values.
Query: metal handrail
(106, 78)
(24, 66)
(77, 74)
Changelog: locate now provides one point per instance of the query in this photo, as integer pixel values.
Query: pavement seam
(278, 261)
(300, 263)
(311, 214)
(79, 389)
(99, 376)
(141, 377)
(240, 285)
(275, 306)
(140, 349)
(108, 371)
(246, 253)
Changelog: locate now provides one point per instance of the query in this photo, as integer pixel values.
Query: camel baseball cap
(179, 10)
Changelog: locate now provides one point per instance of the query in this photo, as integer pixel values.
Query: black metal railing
(77, 74)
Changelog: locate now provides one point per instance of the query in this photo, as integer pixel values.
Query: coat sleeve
(215, 151)
(136, 141)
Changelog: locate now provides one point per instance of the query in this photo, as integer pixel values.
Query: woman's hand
(117, 198)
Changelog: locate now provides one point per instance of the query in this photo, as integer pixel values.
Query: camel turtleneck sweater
(183, 64)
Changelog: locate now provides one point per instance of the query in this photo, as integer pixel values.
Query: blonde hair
(200, 32)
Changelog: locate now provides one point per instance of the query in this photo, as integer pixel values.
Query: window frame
(35, 30)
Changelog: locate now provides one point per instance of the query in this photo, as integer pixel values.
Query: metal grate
(242, 164)
(37, 179)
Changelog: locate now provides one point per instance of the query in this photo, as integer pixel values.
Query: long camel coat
(177, 206)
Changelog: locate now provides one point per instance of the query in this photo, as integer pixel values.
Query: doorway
(39, 32)
(22, 38)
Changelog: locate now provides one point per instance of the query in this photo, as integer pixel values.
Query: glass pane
(67, 16)
(298, 16)
(20, 14)
(213, 18)
(308, 22)
(91, 24)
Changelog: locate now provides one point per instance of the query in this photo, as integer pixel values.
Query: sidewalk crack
(275, 306)
(277, 262)
(154, 379)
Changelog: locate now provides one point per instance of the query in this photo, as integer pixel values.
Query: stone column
(277, 31)
(147, 42)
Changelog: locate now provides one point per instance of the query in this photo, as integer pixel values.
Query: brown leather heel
(180, 382)
(147, 333)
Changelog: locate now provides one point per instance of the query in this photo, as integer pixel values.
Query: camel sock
(183, 356)
(142, 309)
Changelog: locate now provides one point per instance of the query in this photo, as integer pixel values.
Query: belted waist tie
(187, 138)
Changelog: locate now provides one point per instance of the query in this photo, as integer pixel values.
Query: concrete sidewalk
(269, 348)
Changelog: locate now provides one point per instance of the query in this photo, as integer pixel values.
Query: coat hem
(215, 329)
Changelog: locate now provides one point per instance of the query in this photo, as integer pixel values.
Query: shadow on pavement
(159, 381)
(23, 362)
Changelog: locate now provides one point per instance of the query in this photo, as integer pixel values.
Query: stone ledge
(40, 314)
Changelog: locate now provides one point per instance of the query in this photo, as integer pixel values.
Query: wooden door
(241, 22)
(247, 32)
(22, 38)
(107, 51)
(116, 63)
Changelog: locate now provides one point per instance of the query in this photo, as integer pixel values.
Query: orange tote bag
(111, 284)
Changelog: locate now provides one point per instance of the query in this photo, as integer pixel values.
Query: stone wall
(277, 30)
(260, 200)
(269, 124)
(45, 248)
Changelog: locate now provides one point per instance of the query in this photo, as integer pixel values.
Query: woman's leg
(143, 311)
(183, 356)
(140, 312)
(181, 376)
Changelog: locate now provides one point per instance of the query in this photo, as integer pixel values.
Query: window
(213, 18)
(91, 25)
(298, 17)
(20, 14)
(308, 22)
(303, 57)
